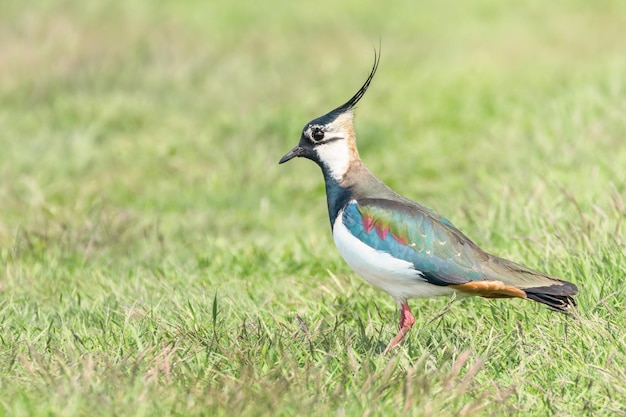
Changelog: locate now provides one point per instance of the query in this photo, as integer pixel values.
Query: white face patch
(336, 156)
(336, 153)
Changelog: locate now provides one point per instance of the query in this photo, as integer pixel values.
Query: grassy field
(156, 261)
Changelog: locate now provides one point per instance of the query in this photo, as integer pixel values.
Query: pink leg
(406, 322)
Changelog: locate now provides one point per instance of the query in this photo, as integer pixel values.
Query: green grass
(155, 259)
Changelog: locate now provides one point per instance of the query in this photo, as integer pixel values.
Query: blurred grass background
(155, 259)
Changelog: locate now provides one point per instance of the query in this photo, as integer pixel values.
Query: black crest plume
(355, 98)
(333, 114)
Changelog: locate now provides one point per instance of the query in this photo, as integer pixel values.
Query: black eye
(318, 134)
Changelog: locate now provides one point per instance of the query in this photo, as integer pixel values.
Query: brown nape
(347, 124)
(490, 289)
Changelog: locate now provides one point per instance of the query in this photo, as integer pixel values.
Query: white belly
(395, 276)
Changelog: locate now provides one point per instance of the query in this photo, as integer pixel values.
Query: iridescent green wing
(416, 234)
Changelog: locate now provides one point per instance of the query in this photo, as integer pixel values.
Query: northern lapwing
(403, 247)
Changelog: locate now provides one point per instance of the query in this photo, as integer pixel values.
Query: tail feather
(561, 302)
(539, 287)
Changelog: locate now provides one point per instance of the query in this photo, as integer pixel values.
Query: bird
(400, 246)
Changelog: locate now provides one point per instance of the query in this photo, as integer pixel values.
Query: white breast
(395, 276)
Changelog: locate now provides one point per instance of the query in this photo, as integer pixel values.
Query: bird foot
(406, 322)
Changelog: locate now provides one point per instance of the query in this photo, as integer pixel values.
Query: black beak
(297, 151)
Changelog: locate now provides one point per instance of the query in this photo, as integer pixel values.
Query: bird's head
(329, 140)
